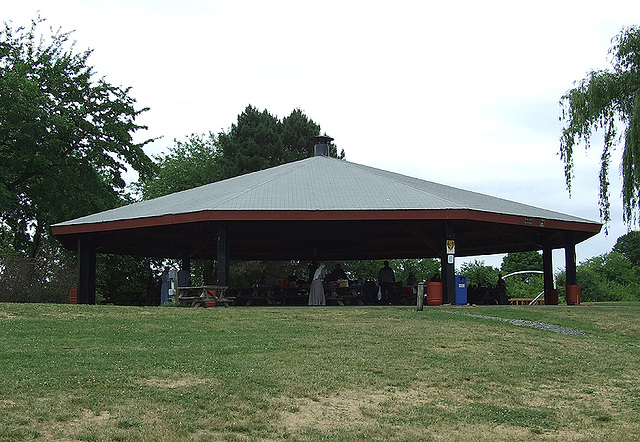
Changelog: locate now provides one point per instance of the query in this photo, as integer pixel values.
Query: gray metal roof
(321, 184)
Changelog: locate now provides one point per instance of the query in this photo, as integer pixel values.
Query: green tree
(423, 269)
(629, 246)
(259, 140)
(608, 277)
(479, 273)
(517, 261)
(65, 141)
(191, 163)
(526, 285)
(65, 136)
(603, 100)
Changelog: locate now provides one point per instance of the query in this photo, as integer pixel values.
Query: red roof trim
(323, 215)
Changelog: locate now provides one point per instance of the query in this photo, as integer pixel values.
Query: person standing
(165, 286)
(316, 289)
(336, 274)
(386, 280)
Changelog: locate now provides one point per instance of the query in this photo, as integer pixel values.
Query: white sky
(464, 93)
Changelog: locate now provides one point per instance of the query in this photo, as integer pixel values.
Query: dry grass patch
(454, 412)
(375, 413)
(5, 315)
(350, 409)
(72, 429)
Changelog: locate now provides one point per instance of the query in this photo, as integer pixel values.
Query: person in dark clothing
(336, 274)
(370, 292)
(386, 280)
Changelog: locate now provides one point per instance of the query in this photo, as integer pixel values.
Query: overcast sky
(463, 93)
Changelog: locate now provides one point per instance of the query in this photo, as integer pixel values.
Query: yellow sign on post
(451, 247)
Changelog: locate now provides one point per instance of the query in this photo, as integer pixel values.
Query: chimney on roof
(321, 148)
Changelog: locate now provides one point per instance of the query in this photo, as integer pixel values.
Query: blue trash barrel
(461, 290)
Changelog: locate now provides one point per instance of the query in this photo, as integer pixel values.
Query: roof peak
(313, 184)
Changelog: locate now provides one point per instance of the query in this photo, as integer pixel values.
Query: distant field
(104, 373)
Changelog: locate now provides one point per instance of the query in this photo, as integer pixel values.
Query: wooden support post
(420, 297)
(86, 271)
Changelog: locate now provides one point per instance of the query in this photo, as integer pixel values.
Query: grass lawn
(108, 373)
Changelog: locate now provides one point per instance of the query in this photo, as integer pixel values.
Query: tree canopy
(66, 139)
(629, 246)
(478, 273)
(259, 140)
(608, 277)
(187, 164)
(606, 100)
(65, 136)
(518, 261)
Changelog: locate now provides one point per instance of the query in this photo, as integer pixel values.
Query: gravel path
(539, 325)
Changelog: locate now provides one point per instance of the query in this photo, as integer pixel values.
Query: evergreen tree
(259, 140)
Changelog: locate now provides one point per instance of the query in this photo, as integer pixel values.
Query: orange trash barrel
(434, 293)
(573, 294)
(73, 296)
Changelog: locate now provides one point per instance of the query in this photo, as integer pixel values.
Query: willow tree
(609, 101)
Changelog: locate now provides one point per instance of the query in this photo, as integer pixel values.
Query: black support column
(86, 271)
(570, 258)
(186, 263)
(448, 263)
(547, 269)
(222, 259)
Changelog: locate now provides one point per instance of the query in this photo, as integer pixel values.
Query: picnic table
(408, 294)
(204, 296)
(526, 301)
(257, 295)
(344, 295)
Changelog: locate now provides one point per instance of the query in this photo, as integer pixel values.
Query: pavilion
(323, 208)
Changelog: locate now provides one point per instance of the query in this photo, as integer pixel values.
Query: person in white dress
(316, 290)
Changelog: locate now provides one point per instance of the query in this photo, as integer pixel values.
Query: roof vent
(321, 148)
